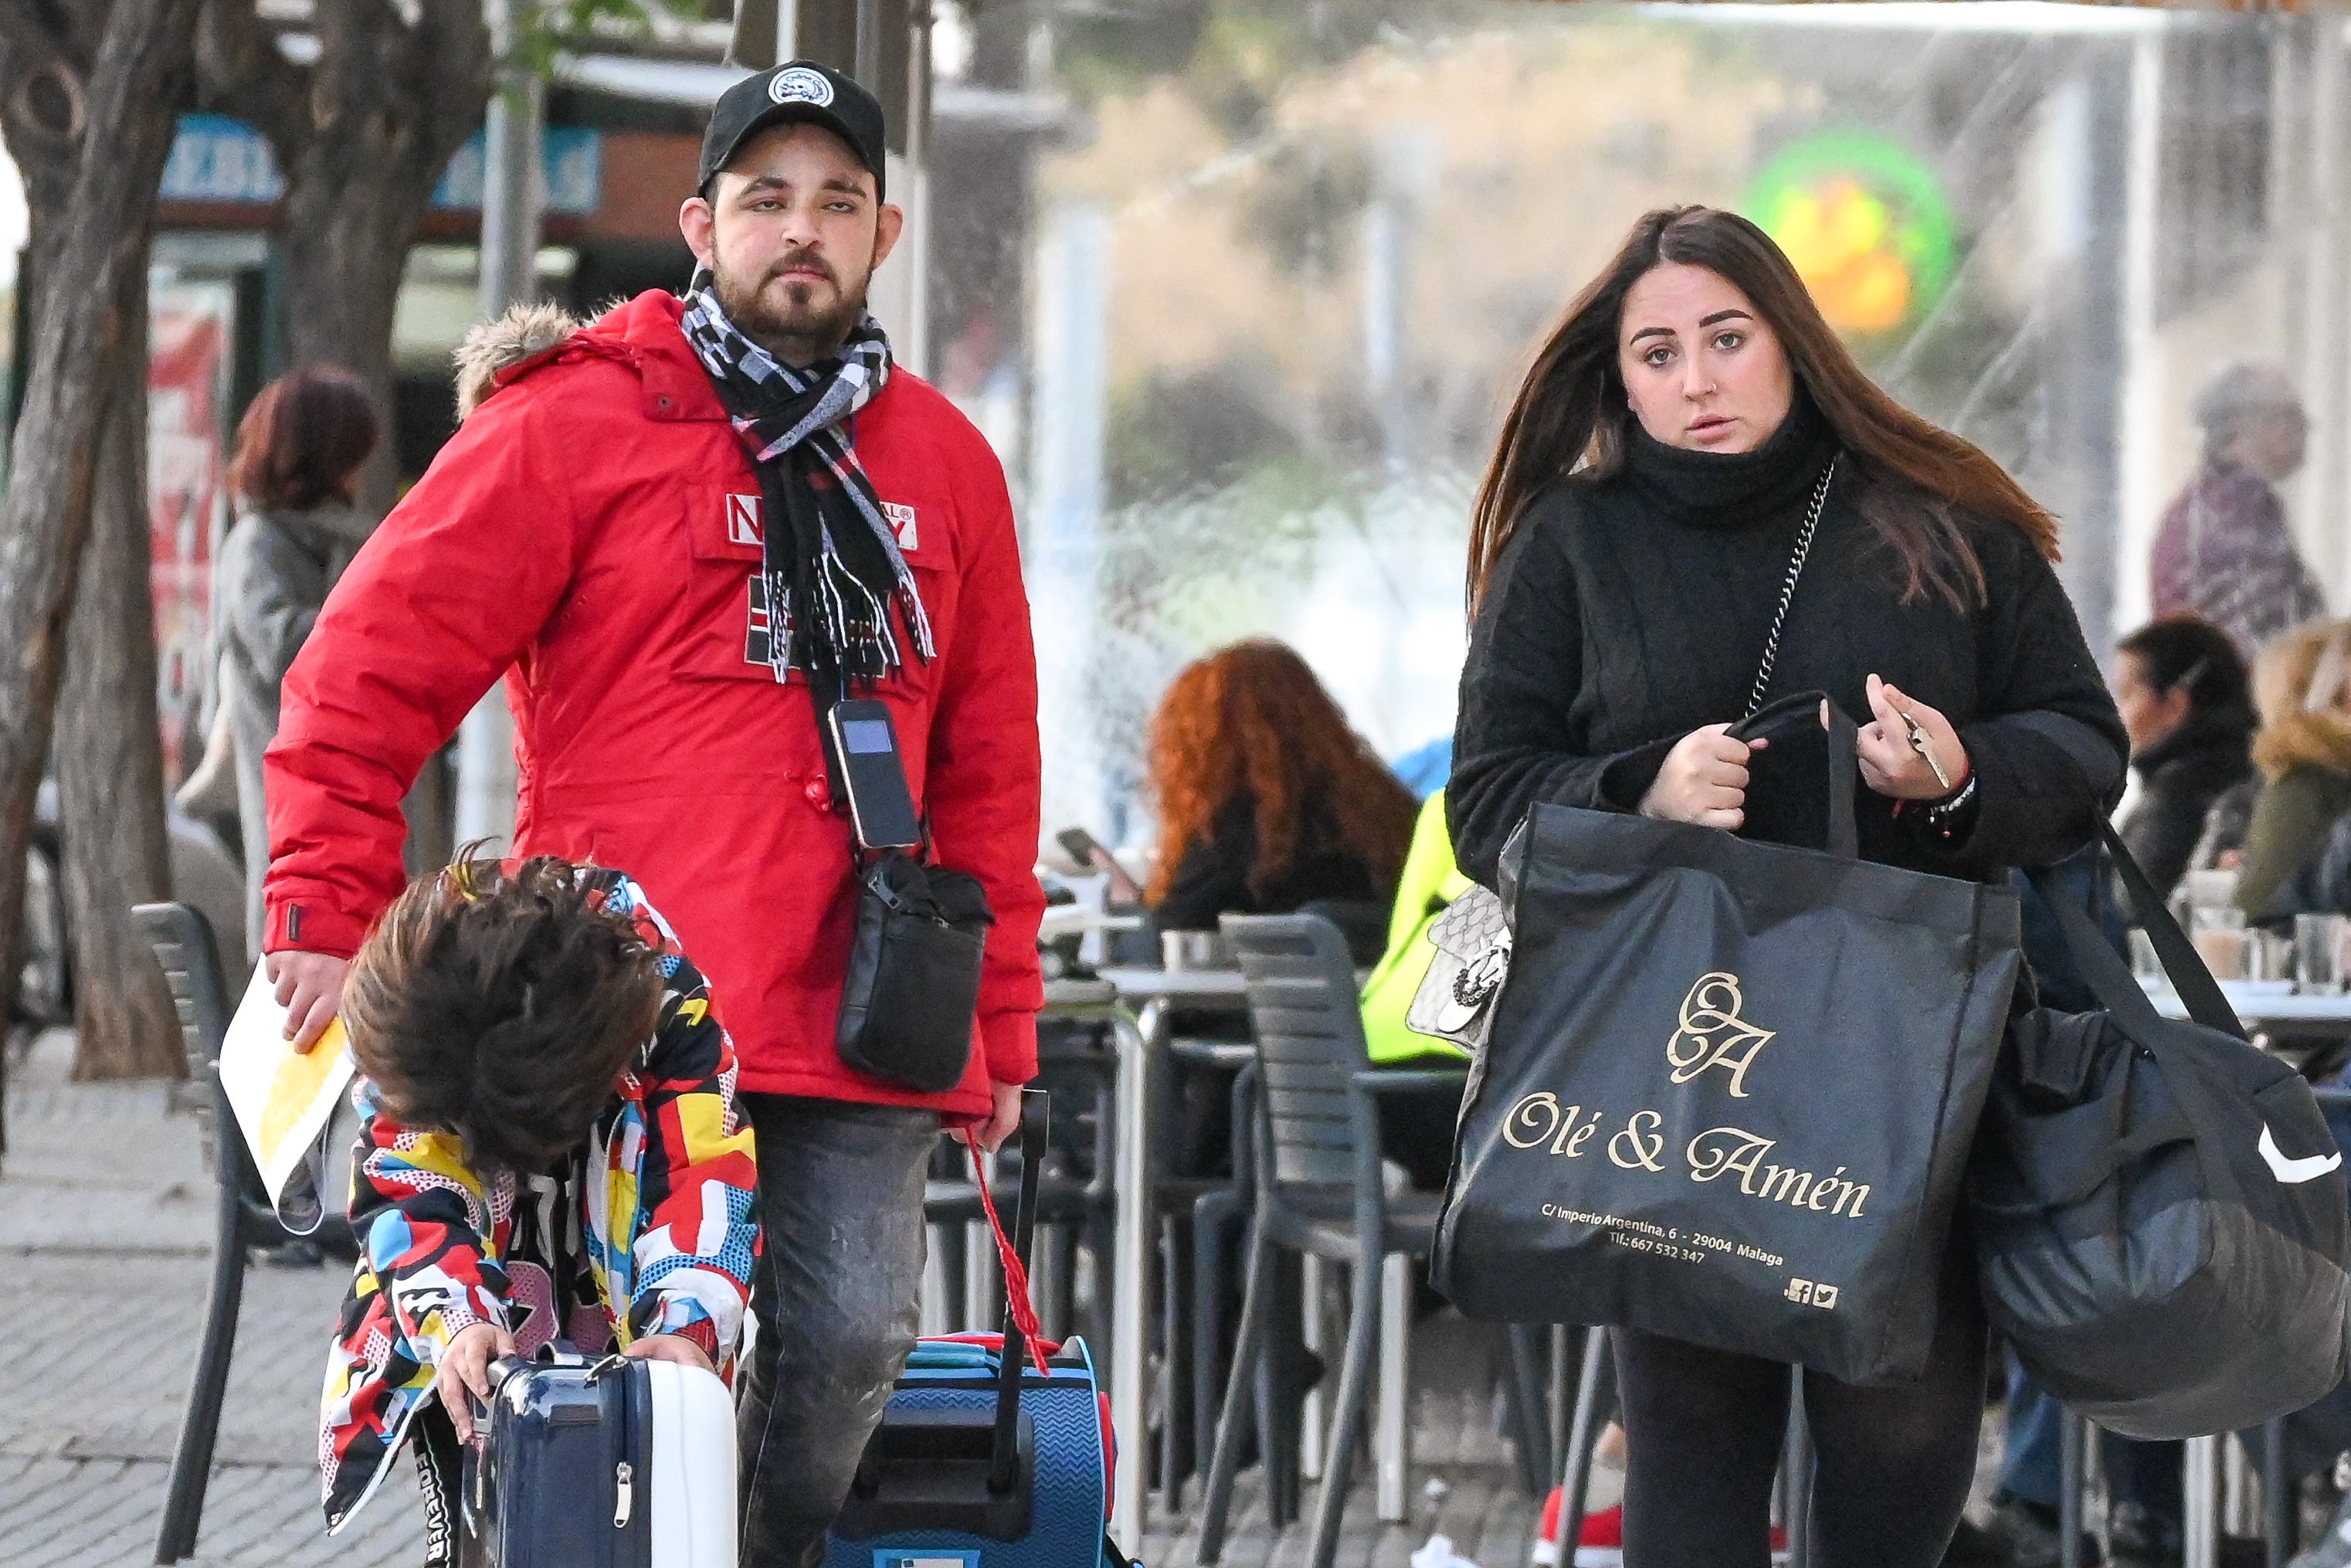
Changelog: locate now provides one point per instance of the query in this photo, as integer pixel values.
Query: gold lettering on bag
(1640, 1144)
(1712, 1034)
(1719, 1151)
(1539, 1116)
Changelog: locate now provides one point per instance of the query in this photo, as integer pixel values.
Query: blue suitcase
(994, 1450)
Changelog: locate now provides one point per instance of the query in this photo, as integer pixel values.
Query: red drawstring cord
(1016, 1277)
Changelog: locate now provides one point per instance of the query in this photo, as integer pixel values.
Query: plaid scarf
(829, 563)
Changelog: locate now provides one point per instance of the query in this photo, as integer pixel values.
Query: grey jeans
(837, 1300)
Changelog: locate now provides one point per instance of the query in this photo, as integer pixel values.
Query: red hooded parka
(591, 532)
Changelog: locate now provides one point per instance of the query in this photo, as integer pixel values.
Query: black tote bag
(2161, 1207)
(1730, 1087)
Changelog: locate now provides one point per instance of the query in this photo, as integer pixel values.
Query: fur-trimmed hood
(2312, 739)
(524, 332)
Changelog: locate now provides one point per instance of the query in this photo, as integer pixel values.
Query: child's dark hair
(500, 1004)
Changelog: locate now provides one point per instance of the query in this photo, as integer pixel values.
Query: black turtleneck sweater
(1628, 610)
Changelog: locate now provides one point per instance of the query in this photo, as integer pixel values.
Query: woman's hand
(1891, 765)
(466, 1369)
(1703, 780)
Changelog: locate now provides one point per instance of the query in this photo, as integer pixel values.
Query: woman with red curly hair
(1268, 800)
(1269, 803)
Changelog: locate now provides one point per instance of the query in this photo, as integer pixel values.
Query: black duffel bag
(2160, 1206)
(1728, 1089)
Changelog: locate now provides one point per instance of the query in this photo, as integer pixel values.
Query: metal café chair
(1318, 1184)
(243, 1216)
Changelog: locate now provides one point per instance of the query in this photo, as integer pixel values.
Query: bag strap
(1020, 1311)
(2110, 978)
(1788, 588)
(1845, 759)
(2205, 1003)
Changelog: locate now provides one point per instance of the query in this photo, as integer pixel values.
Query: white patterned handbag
(1473, 958)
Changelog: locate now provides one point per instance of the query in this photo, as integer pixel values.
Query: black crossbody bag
(910, 999)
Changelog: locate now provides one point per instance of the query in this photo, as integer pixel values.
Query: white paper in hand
(283, 1099)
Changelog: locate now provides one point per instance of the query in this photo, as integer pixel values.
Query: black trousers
(1704, 1430)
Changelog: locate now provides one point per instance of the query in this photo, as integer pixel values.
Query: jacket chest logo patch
(743, 521)
(743, 526)
(759, 635)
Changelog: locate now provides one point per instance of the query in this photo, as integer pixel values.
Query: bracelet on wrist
(1957, 799)
(1948, 819)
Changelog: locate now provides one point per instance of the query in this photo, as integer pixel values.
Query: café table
(2268, 1006)
(1151, 997)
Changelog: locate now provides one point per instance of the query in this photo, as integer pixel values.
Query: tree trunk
(110, 759)
(121, 129)
(345, 238)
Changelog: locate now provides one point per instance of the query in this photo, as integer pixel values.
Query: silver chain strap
(1788, 590)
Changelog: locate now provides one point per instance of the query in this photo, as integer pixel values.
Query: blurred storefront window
(1239, 286)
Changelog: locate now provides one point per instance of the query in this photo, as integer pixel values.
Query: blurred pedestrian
(299, 449)
(2302, 685)
(2223, 550)
(2188, 703)
(1269, 801)
(1691, 428)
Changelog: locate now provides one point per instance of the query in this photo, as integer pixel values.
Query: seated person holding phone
(549, 1150)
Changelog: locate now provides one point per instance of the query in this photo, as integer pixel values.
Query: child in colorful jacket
(549, 1150)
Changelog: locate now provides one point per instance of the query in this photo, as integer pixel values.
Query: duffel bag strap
(2197, 989)
(2109, 978)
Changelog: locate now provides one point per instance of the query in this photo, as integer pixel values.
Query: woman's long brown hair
(1253, 718)
(1572, 409)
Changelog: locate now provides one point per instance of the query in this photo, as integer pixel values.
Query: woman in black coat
(1630, 551)
(2187, 700)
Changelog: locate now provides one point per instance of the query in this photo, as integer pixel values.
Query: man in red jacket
(660, 531)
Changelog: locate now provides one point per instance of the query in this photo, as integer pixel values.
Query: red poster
(184, 502)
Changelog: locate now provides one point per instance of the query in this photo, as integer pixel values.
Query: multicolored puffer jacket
(657, 1235)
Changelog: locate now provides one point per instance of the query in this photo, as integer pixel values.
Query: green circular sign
(1865, 224)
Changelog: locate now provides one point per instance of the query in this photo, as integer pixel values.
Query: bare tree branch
(454, 42)
(241, 70)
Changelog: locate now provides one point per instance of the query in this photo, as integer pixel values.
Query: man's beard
(796, 331)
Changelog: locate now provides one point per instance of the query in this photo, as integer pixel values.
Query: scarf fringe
(849, 625)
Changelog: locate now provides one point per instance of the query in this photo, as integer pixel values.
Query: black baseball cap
(795, 91)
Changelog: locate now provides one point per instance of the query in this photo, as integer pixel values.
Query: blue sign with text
(217, 159)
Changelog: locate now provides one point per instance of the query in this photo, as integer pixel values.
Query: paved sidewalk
(105, 1255)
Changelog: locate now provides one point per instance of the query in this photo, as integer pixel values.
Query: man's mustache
(803, 260)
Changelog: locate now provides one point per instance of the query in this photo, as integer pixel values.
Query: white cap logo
(801, 85)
